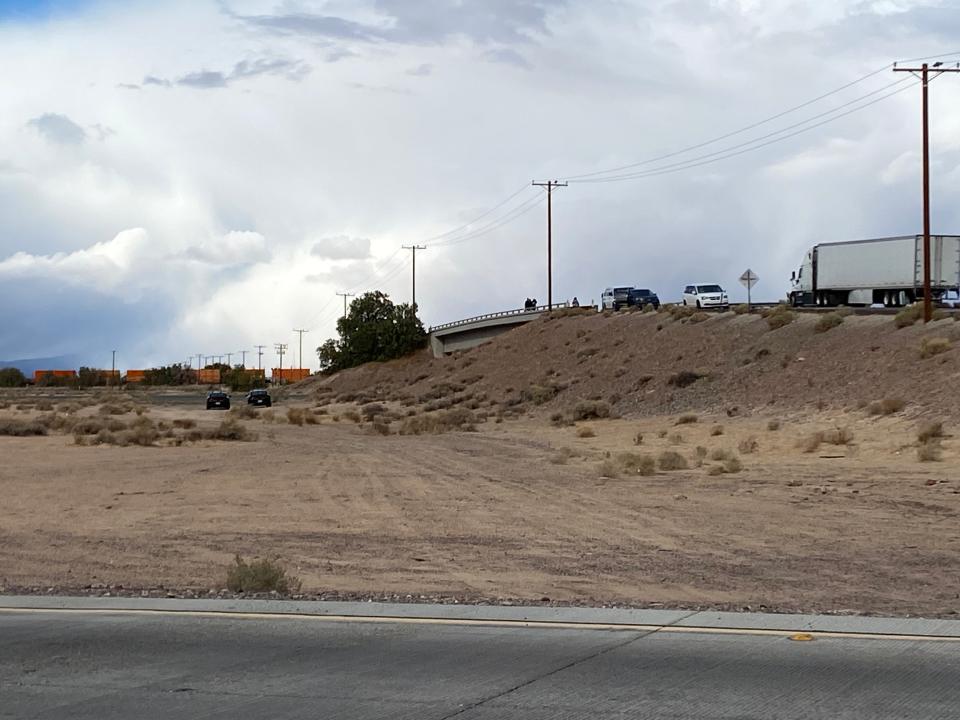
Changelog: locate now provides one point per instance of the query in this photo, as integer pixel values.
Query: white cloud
(261, 189)
(341, 247)
(58, 129)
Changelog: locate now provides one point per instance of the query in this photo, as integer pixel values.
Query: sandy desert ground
(519, 510)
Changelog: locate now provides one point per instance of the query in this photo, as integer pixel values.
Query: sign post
(748, 280)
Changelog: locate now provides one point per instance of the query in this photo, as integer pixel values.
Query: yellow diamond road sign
(749, 278)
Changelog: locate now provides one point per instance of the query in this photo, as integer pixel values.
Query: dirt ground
(518, 510)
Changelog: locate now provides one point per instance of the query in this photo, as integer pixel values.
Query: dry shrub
(909, 315)
(380, 428)
(680, 312)
(352, 416)
(44, 405)
(773, 425)
(89, 426)
(732, 465)
(538, 394)
(440, 422)
(933, 346)
(929, 431)
(608, 468)
(748, 445)
(585, 432)
(715, 470)
(115, 408)
(591, 410)
(371, 410)
(295, 415)
(638, 438)
(684, 378)
(716, 431)
(699, 317)
(184, 423)
(887, 406)
(828, 322)
(637, 464)
(670, 460)
(720, 454)
(686, 419)
(21, 428)
(675, 439)
(741, 309)
(836, 436)
(929, 451)
(230, 429)
(269, 416)
(260, 576)
(558, 419)
(780, 318)
(244, 412)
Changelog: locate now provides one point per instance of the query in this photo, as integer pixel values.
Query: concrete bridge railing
(470, 332)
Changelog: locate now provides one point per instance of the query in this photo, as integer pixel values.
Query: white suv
(705, 296)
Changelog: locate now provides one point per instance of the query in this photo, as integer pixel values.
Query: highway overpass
(464, 334)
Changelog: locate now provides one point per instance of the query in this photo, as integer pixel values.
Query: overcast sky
(200, 177)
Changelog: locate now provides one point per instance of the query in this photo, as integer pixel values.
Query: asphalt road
(108, 665)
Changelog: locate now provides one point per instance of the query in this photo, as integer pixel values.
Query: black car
(259, 397)
(639, 297)
(218, 399)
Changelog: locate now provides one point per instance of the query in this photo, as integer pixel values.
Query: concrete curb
(676, 619)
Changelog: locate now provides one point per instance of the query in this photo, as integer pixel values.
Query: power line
(753, 145)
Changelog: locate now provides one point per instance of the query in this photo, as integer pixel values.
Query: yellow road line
(469, 622)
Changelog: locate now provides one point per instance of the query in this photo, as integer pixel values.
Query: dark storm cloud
(58, 129)
(243, 70)
(204, 79)
(507, 57)
(422, 23)
(54, 318)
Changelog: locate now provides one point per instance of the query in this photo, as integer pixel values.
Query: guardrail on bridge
(503, 313)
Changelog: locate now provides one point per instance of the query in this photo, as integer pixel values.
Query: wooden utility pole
(280, 347)
(345, 295)
(550, 185)
(243, 358)
(113, 365)
(413, 249)
(301, 345)
(259, 356)
(926, 73)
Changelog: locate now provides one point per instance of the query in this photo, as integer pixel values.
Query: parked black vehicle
(218, 399)
(639, 297)
(259, 397)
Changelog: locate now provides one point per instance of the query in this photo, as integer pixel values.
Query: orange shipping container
(210, 375)
(135, 376)
(290, 374)
(38, 374)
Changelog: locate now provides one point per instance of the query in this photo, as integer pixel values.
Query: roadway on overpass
(106, 663)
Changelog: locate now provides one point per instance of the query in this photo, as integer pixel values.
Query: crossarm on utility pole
(924, 72)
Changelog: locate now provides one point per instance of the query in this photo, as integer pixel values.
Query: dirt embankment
(635, 361)
(746, 469)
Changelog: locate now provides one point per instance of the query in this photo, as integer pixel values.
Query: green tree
(373, 331)
(12, 377)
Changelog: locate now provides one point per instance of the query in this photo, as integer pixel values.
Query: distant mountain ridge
(28, 365)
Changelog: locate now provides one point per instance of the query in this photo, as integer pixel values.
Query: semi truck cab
(801, 282)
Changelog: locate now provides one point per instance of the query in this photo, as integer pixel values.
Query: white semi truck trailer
(887, 271)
